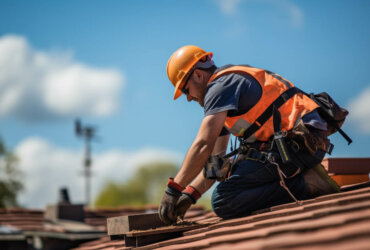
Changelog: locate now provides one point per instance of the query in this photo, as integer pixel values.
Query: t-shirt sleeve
(221, 95)
(234, 93)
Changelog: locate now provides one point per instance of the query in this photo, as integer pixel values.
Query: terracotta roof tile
(347, 165)
(323, 220)
(196, 213)
(337, 221)
(103, 243)
(286, 235)
(23, 219)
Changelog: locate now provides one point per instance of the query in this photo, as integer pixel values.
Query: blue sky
(105, 62)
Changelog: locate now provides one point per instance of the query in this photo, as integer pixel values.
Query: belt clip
(294, 146)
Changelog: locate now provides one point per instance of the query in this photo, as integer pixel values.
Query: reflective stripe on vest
(273, 86)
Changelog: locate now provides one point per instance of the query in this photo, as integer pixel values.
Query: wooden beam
(165, 230)
(123, 224)
(138, 238)
(143, 229)
(347, 165)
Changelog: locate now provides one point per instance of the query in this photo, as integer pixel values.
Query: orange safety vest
(273, 86)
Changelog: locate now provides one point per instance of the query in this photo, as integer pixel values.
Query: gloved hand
(183, 205)
(188, 197)
(167, 207)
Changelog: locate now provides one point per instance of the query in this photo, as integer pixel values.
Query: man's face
(195, 88)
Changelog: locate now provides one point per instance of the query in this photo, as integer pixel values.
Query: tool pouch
(331, 112)
(216, 168)
(310, 140)
(328, 109)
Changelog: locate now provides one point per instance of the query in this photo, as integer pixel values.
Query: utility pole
(88, 133)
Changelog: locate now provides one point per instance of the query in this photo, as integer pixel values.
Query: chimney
(64, 196)
(64, 209)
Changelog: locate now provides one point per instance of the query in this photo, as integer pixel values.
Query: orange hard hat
(181, 63)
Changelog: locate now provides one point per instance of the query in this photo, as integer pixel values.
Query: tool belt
(302, 148)
(289, 151)
(285, 148)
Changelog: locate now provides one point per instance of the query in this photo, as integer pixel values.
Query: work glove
(188, 197)
(167, 207)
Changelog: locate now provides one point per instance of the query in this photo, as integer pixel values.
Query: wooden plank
(165, 230)
(349, 179)
(145, 237)
(143, 229)
(123, 224)
(355, 186)
(347, 165)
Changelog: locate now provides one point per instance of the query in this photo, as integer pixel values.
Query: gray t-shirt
(237, 93)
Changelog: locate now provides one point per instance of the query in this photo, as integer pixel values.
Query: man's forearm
(201, 184)
(201, 148)
(187, 174)
(195, 159)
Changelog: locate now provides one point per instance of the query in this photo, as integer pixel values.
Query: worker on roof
(282, 138)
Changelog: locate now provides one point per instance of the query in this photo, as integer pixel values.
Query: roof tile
(334, 211)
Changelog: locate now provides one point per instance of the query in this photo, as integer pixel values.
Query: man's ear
(197, 74)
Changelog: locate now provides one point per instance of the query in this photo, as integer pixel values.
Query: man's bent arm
(201, 148)
(221, 145)
(201, 184)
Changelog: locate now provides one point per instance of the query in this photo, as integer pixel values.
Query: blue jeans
(252, 186)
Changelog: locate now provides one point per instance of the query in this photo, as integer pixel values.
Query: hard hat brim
(177, 94)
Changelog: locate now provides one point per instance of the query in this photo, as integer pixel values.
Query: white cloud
(47, 168)
(293, 11)
(44, 85)
(359, 111)
(228, 7)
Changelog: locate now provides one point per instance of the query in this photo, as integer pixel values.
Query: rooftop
(339, 221)
(335, 221)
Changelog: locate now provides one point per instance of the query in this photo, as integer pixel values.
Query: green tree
(10, 178)
(145, 187)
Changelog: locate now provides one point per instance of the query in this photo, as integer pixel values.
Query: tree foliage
(145, 187)
(10, 178)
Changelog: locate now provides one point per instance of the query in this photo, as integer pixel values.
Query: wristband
(171, 183)
(193, 193)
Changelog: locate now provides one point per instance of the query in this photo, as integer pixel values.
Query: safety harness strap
(279, 135)
(348, 139)
(269, 111)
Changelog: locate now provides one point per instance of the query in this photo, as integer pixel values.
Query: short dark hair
(210, 70)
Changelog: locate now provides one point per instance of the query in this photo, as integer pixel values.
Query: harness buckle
(256, 155)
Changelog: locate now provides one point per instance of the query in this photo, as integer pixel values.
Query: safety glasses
(183, 89)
